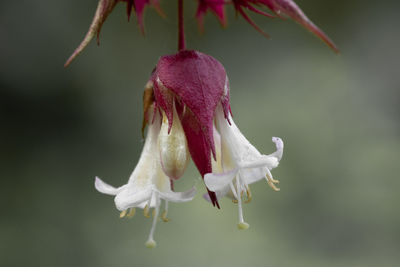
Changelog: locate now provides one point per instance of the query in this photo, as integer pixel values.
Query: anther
(146, 211)
(122, 214)
(249, 196)
(164, 216)
(131, 213)
(272, 185)
(271, 182)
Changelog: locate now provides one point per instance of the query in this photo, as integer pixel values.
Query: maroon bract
(240, 5)
(194, 84)
(281, 8)
(216, 6)
(104, 8)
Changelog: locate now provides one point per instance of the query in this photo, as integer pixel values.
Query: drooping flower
(148, 184)
(192, 84)
(241, 164)
(180, 100)
(186, 105)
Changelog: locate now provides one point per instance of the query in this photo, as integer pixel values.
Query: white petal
(234, 142)
(105, 188)
(129, 198)
(178, 196)
(263, 161)
(253, 175)
(218, 181)
(279, 148)
(220, 193)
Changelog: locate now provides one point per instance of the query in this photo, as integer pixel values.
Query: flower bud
(173, 148)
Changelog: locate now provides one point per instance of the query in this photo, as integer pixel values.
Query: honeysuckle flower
(186, 107)
(241, 164)
(192, 84)
(148, 185)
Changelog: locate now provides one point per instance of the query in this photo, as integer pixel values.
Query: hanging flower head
(186, 107)
(149, 184)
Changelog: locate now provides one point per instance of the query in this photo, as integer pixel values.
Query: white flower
(148, 184)
(241, 164)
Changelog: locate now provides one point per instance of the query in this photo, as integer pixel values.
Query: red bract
(248, 4)
(281, 8)
(194, 84)
(289, 8)
(104, 8)
(216, 6)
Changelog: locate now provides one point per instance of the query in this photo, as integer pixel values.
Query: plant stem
(181, 31)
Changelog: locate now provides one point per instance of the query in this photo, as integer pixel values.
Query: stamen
(271, 181)
(153, 213)
(146, 211)
(122, 214)
(242, 225)
(165, 212)
(131, 213)
(150, 243)
(235, 198)
(248, 193)
(233, 189)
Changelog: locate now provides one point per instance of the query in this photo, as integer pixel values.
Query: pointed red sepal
(129, 7)
(104, 8)
(139, 9)
(292, 10)
(195, 83)
(216, 6)
(239, 5)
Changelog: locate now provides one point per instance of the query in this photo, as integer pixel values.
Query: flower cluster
(188, 113)
(279, 8)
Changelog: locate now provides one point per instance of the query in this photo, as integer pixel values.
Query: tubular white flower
(147, 185)
(241, 164)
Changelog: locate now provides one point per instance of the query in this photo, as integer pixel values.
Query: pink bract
(281, 8)
(216, 6)
(104, 8)
(195, 84)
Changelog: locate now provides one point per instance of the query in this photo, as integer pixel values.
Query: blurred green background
(338, 115)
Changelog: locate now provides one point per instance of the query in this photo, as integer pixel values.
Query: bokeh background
(338, 114)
